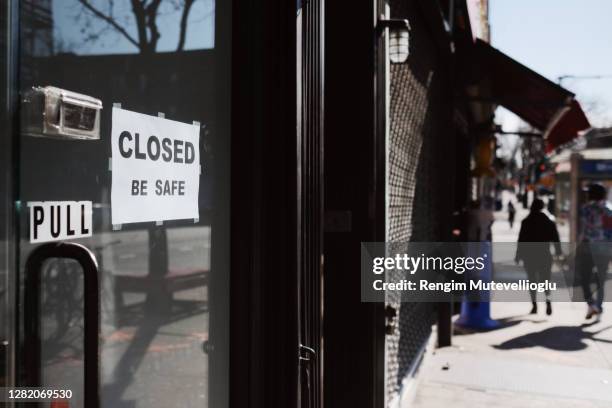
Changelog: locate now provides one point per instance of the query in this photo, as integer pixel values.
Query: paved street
(532, 361)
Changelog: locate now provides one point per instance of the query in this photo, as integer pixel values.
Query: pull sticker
(59, 220)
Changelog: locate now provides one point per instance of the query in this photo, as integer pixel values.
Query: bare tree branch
(146, 15)
(184, 17)
(151, 12)
(109, 20)
(141, 24)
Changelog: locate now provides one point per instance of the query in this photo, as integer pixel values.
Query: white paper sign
(156, 168)
(59, 220)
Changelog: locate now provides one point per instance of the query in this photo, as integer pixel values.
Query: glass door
(156, 225)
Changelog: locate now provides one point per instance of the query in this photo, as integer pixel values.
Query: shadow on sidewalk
(504, 323)
(562, 338)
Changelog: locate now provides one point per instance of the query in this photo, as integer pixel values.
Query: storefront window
(157, 282)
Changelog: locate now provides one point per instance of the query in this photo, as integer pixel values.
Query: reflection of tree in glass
(145, 15)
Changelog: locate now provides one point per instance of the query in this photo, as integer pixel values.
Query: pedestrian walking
(593, 254)
(511, 213)
(536, 234)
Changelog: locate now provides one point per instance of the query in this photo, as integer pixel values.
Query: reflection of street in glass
(142, 341)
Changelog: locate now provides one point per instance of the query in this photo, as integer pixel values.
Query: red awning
(540, 102)
(566, 127)
(528, 94)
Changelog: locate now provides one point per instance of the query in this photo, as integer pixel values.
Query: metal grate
(420, 184)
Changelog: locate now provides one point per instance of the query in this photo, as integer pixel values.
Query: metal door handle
(307, 352)
(32, 358)
(307, 357)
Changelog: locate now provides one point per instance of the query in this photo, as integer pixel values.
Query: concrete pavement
(532, 361)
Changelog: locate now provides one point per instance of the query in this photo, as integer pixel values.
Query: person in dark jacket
(539, 232)
(511, 213)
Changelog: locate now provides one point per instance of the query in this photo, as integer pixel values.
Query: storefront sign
(59, 220)
(596, 167)
(156, 168)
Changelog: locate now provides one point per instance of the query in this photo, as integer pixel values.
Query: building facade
(317, 126)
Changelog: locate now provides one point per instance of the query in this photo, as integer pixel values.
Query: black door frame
(264, 325)
(310, 114)
(355, 172)
(275, 241)
(9, 185)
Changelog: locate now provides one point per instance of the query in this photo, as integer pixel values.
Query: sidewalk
(532, 361)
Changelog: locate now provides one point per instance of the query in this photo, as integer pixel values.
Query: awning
(570, 122)
(540, 102)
